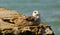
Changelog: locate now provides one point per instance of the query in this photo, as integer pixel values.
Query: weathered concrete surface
(13, 23)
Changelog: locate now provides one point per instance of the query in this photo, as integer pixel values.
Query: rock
(4, 13)
(13, 23)
(34, 30)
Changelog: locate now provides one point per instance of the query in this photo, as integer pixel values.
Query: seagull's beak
(37, 14)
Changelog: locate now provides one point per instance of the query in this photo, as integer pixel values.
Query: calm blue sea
(49, 10)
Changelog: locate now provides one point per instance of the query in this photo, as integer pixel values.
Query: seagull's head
(35, 13)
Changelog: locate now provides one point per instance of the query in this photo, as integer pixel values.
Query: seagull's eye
(34, 12)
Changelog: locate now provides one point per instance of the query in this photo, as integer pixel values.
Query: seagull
(35, 17)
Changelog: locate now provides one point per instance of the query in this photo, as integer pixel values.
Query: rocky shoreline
(13, 23)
